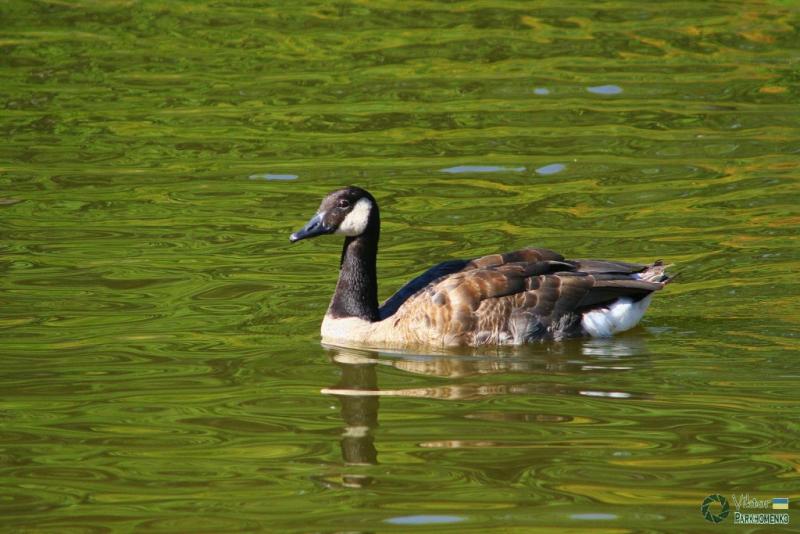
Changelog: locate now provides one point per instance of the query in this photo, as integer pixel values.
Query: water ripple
(161, 366)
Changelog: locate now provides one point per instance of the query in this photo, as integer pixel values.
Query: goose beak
(316, 226)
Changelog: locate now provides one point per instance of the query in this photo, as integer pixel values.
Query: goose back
(513, 298)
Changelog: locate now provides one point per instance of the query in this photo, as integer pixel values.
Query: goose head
(350, 211)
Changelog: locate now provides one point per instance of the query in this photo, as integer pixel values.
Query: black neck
(356, 292)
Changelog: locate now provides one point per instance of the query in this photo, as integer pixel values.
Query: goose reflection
(357, 391)
(359, 394)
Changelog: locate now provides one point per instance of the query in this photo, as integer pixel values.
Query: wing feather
(514, 297)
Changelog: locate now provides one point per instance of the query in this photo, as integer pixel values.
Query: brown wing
(447, 311)
(527, 255)
(604, 266)
(492, 300)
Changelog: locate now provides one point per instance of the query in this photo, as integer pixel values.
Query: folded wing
(515, 297)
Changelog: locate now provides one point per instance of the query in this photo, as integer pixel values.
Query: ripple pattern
(161, 365)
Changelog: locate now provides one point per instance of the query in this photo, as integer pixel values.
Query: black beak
(316, 226)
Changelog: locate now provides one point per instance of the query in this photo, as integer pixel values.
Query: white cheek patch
(356, 221)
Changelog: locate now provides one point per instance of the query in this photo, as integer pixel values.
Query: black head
(348, 211)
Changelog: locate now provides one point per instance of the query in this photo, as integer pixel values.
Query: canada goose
(513, 298)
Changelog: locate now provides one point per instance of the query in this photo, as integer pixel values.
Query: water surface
(162, 369)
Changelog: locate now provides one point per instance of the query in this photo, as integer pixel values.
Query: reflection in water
(614, 348)
(552, 168)
(156, 325)
(358, 391)
(269, 176)
(605, 89)
(423, 519)
(481, 168)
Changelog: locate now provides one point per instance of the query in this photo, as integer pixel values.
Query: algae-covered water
(161, 365)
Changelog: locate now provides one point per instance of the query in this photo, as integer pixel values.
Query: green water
(161, 365)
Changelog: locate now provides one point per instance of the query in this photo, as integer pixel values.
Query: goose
(528, 295)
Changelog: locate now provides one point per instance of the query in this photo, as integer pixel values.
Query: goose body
(518, 297)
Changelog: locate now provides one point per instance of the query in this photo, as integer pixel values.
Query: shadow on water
(359, 392)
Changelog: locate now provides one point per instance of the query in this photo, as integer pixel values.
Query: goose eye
(344, 204)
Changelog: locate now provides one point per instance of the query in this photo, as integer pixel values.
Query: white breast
(350, 329)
